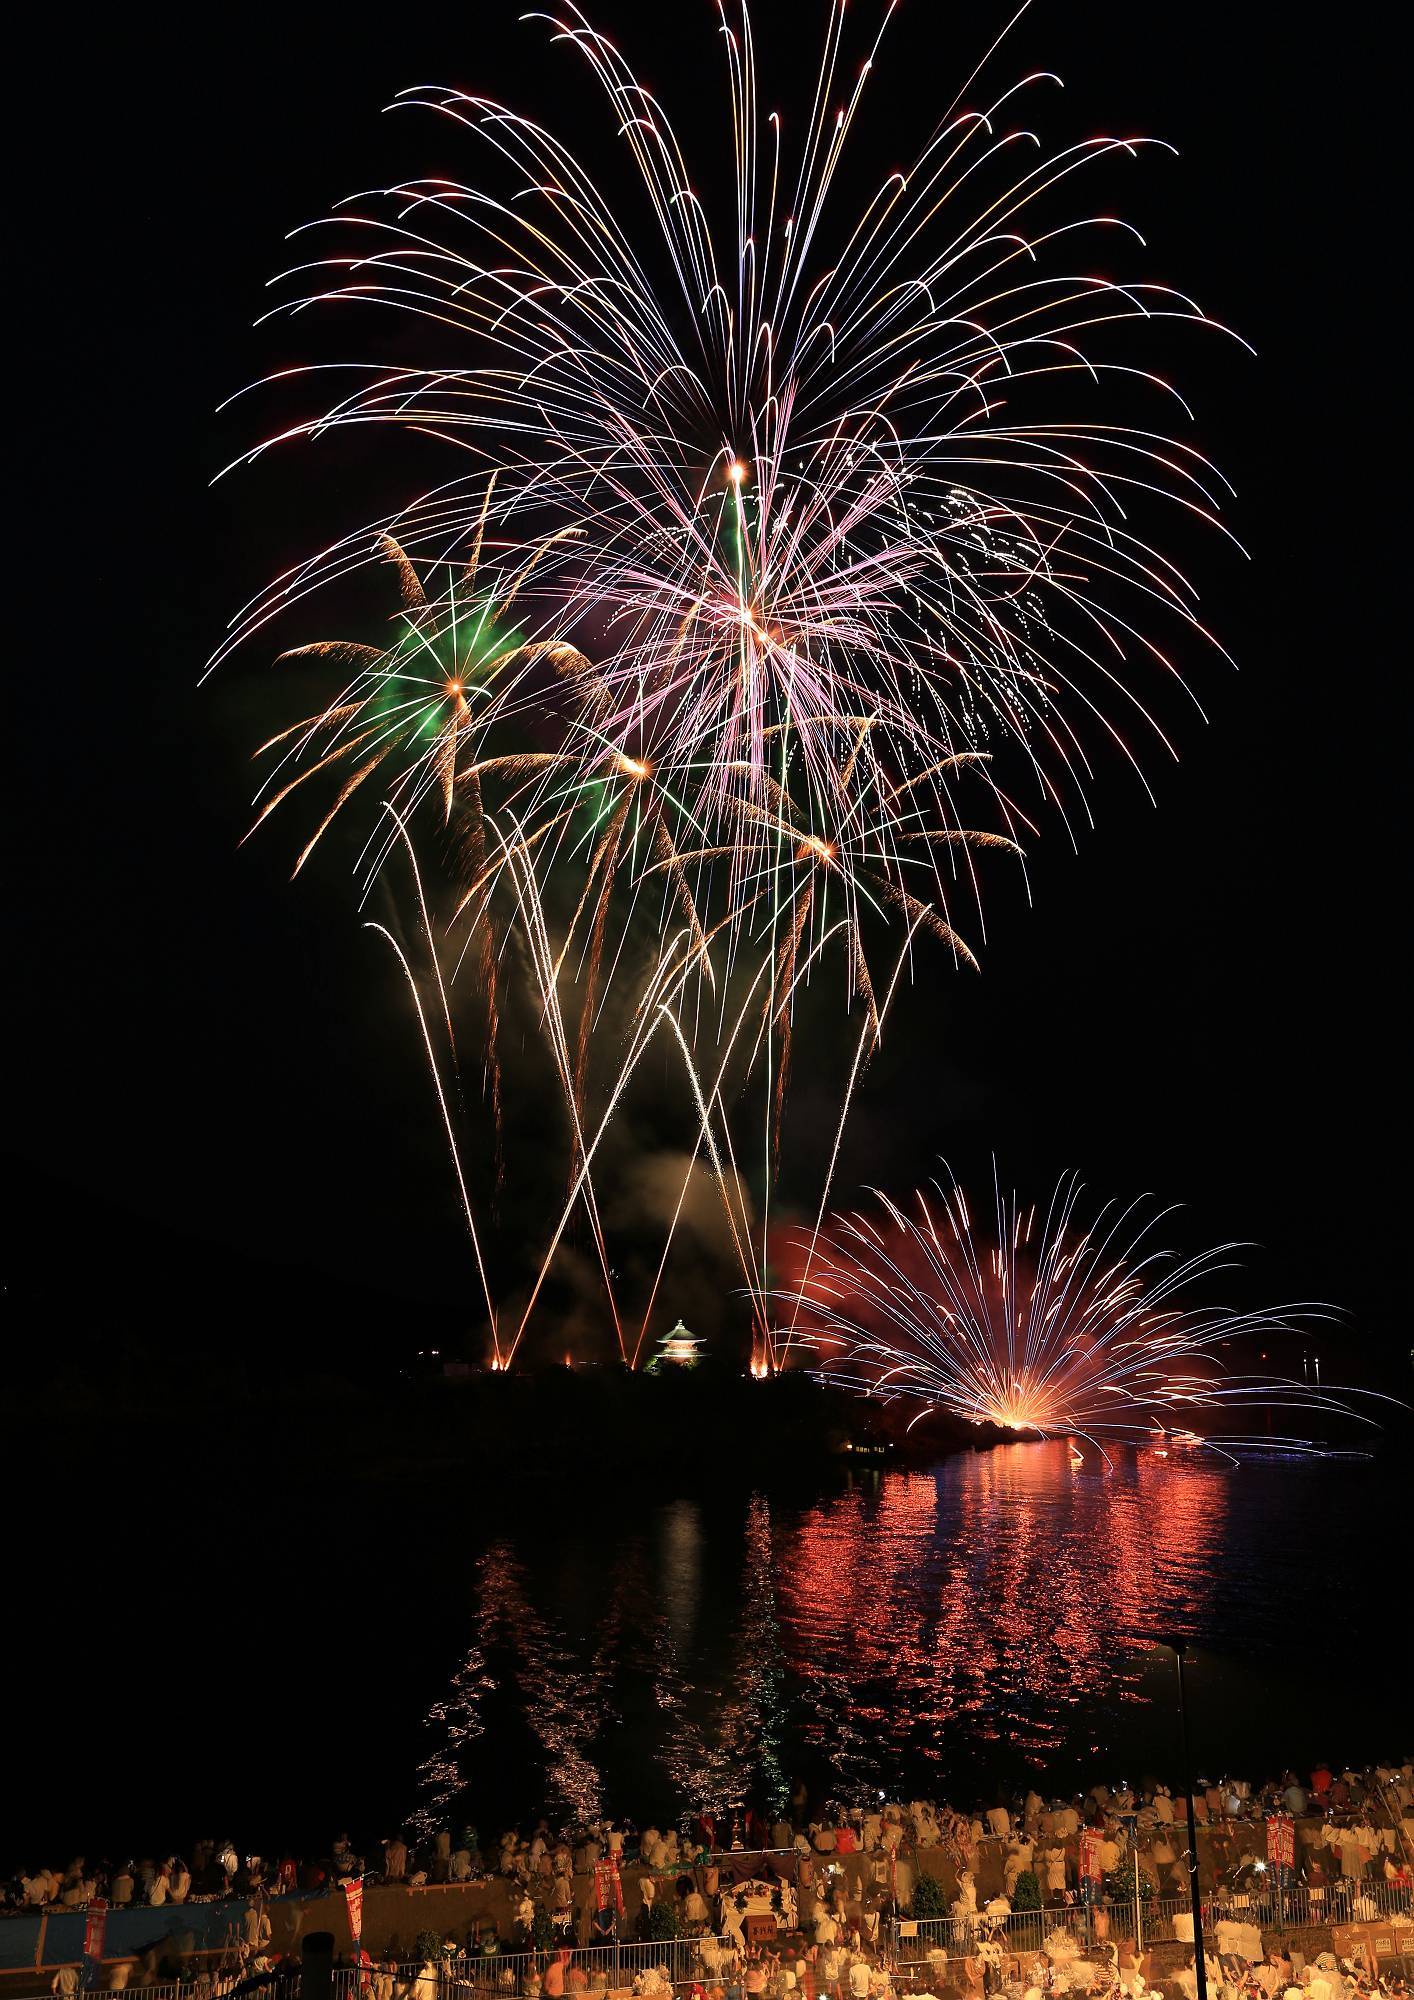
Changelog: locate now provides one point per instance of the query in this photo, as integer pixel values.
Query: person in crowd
(255, 1925)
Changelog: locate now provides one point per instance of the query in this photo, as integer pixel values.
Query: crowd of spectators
(834, 1925)
(1353, 1826)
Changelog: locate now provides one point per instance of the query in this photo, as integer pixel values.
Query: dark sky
(221, 1123)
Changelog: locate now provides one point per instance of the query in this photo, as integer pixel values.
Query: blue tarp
(201, 1926)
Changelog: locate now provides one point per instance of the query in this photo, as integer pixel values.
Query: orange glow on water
(992, 1595)
(902, 1627)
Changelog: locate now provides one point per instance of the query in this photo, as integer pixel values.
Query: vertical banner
(1281, 1841)
(1090, 1854)
(94, 1931)
(353, 1897)
(608, 1885)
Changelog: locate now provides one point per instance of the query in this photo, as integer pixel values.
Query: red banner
(353, 1896)
(608, 1888)
(1281, 1841)
(1090, 1854)
(93, 1931)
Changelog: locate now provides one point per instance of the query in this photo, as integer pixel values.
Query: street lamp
(1175, 1646)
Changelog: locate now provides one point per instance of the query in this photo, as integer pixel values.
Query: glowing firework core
(1019, 1408)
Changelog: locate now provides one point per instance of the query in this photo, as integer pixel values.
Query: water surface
(989, 1619)
(286, 1665)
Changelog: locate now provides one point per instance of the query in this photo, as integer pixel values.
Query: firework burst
(1069, 1321)
(772, 526)
(798, 484)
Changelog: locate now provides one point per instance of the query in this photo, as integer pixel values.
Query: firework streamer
(1073, 1322)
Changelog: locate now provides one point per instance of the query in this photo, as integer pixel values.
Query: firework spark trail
(534, 928)
(774, 533)
(606, 862)
(511, 854)
(650, 1020)
(1077, 1330)
(481, 936)
(868, 1040)
(432, 1065)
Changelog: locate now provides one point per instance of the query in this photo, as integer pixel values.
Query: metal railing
(1158, 1919)
(1264, 1902)
(162, 1989)
(196, 1985)
(1030, 1930)
(1340, 1902)
(681, 1960)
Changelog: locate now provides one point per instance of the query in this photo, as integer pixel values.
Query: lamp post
(1175, 1646)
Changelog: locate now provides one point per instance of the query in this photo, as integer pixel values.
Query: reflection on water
(991, 1598)
(915, 1631)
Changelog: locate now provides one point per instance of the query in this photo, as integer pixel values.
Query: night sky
(223, 1131)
